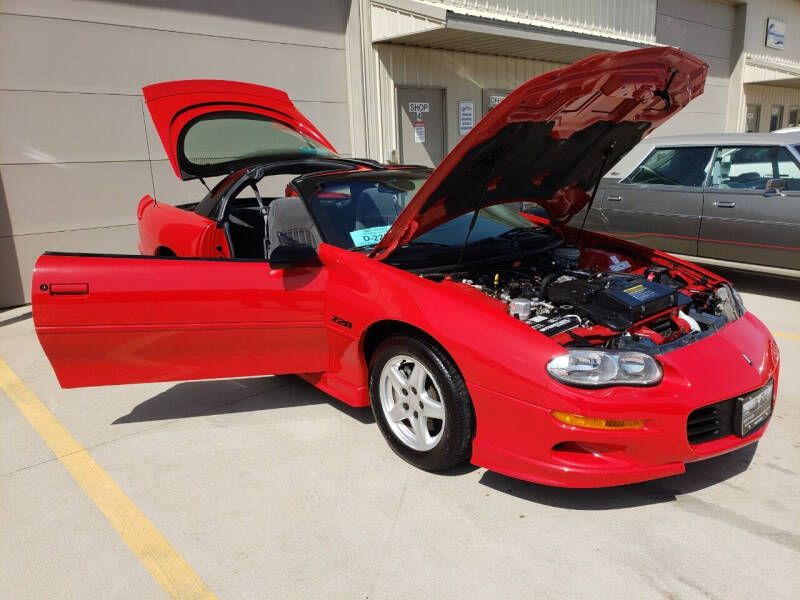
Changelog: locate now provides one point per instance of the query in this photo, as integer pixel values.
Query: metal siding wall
(77, 149)
(632, 20)
(769, 95)
(758, 12)
(706, 29)
(463, 75)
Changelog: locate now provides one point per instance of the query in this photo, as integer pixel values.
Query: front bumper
(522, 439)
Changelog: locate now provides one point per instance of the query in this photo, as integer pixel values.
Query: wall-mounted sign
(776, 31)
(419, 132)
(466, 116)
(494, 100)
(419, 107)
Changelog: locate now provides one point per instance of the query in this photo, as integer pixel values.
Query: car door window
(750, 167)
(673, 166)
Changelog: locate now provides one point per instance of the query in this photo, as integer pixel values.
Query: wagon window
(750, 167)
(673, 166)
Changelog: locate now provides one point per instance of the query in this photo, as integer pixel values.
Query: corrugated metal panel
(768, 96)
(758, 13)
(754, 73)
(462, 74)
(389, 21)
(631, 20)
(483, 43)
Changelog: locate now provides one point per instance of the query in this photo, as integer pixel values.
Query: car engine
(601, 297)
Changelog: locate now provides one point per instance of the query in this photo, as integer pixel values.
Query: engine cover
(616, 301)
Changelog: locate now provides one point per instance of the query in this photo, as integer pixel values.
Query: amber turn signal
(594, 423)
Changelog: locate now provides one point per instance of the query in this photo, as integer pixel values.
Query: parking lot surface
(268, 488)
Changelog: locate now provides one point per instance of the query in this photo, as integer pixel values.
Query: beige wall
(463, 75)
(768, 96)
(706, 29)
(77, 148)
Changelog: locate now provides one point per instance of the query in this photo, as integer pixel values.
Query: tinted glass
(239, 136)
(673, 166)
(357, 213)
(750, 167)
(775, 118)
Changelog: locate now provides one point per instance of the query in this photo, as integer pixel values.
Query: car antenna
(606, 154)
(477, 209)
(203, 181)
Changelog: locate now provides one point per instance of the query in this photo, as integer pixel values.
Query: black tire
(455, 445)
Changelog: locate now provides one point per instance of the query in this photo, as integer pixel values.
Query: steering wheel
(657, 175)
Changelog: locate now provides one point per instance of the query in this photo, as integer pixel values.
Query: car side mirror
(776, 184)
(287, 256)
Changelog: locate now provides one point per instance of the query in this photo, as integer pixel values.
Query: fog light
(594, 423)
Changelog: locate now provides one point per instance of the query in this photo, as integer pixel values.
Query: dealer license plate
(753, 409)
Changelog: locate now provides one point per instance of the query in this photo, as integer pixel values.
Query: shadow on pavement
(763, 284)
(698, 475)
(228, 396)
(12, 320)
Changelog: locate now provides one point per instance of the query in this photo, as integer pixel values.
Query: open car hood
(212, 127)
(552, 138)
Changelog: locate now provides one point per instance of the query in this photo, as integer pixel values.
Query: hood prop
(602, 172)
(664, 94)
(478, 206)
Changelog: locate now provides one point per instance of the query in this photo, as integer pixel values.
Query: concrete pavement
(268, 488)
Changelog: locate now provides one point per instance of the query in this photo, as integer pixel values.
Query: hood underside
(551, 139)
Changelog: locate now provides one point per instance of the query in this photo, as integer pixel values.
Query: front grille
(711, 422)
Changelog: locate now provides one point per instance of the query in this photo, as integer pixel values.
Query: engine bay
(595, 297)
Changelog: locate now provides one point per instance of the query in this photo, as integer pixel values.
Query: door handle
(614, 198)
(770, 193)
(725, 204)
(68, 289)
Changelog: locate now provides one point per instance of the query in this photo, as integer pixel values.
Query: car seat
(289, 222)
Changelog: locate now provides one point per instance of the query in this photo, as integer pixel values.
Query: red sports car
(526, 346)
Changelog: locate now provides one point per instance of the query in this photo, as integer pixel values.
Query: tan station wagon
(734, 197)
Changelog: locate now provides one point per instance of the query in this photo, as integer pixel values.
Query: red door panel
(106, 320)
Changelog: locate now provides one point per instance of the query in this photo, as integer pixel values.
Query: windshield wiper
(519, 232)
(430, 244)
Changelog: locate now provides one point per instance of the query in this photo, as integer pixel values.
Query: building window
(794, 116)
(753, 114)
(775, 117)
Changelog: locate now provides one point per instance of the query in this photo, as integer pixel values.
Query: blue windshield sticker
(369, 236)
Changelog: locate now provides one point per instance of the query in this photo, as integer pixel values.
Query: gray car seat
(374, 208)
(289, 222)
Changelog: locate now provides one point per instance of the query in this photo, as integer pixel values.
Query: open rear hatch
(552, 138)
(212, 127)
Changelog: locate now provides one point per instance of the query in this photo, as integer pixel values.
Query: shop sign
(466, 116)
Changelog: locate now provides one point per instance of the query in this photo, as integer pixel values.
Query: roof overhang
(771, 73)
(415, 24)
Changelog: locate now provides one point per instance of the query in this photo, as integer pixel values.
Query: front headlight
(731, 305)
(598, 368)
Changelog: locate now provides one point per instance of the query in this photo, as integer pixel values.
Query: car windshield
(356, 213)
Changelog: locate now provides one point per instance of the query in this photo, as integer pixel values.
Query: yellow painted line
(158, 556)
(788, 336)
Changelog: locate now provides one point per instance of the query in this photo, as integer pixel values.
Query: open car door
(212, 127)
(106, 320)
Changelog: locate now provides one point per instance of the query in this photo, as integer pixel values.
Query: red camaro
(524, 345)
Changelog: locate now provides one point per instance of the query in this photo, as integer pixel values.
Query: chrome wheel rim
(412, 403)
